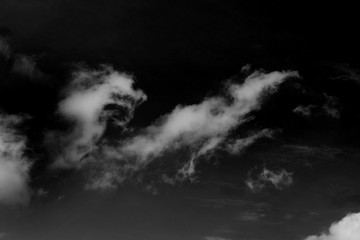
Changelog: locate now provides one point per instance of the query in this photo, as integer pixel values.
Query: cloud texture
(14, 166)
(279, 179)
(347, 228)
(97, 100)
(91, 100)
(200, 128)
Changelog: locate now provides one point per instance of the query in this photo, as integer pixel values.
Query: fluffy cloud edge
(84, 105)
(347, 228)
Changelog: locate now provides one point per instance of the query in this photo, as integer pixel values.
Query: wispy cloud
(279, 179)
(304, 110)
(330, 108)
(235, 147)
(347, 228)
(100, 99)
(202, 127)
(347, 73)
(92, 100)
(14, 166)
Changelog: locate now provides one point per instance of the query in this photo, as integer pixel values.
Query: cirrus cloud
(201, 128)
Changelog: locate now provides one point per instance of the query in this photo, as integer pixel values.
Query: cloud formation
(279, 179)
(92, 100)
(329, 108)
(14, 166)
(305, 111)
(347, 228)
(200, 128)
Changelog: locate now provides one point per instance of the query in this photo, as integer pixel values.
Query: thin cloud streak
(239, 145)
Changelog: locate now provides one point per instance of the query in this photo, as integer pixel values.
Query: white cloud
(14, 166)
(202, 127)
(85, 102)
(279, 179)
(346, 229)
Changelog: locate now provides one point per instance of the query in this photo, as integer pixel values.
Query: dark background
(179, 52)
(183, 47)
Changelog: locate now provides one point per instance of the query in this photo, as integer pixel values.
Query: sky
(179, 120)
